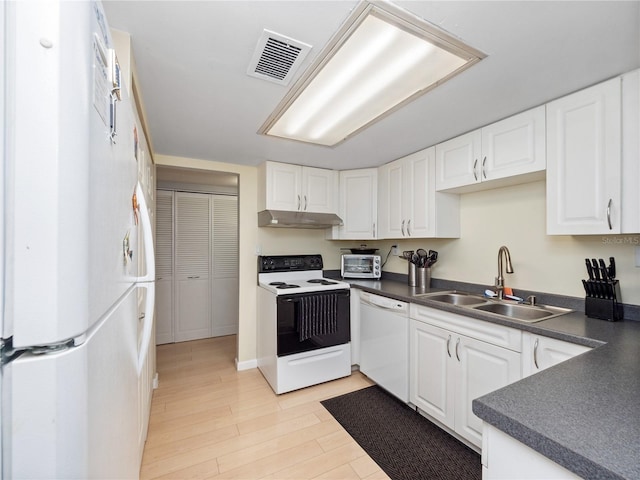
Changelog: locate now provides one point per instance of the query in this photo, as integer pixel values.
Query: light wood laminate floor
(210, 421)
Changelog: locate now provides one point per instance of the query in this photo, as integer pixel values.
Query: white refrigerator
(74, 339)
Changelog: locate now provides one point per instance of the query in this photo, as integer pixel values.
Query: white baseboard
(246, 365)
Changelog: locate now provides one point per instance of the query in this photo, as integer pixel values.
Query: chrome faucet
(500, 279)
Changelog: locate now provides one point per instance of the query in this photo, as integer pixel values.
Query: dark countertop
(584, 413)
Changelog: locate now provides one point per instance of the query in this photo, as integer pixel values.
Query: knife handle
(612, 268)
(589, 268)
(596, 270)
(603, 269)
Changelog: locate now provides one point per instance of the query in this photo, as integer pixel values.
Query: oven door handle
(295, 298)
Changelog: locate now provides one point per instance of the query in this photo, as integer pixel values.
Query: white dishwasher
(384, 343)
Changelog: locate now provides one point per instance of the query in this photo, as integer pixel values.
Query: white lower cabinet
(505, 458)
(449, 368)
(540, 352)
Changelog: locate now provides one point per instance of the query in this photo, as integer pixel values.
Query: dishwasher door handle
(374, 302)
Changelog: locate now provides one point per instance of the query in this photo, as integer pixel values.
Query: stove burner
(283, 285)
(322, 281)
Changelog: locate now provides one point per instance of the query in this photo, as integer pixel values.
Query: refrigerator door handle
(148, 323)
(147, 235)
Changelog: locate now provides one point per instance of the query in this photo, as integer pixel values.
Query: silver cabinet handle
(475, 164)
(448, 341)
(457, 345)
(484, 172)
(374, 229)
(535, 354)
(402, 228)
(305, 203)
(409, 228)
(194, 276)
(609, 214)
(298, 202)
(141, 316)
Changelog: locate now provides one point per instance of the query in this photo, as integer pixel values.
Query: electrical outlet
(395, 251)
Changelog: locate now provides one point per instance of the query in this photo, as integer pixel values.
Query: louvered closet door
(164, 267)
(192, 262)
(225, 265)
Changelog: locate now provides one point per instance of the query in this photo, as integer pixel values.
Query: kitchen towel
(317, 315)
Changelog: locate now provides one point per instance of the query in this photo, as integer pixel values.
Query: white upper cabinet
(584, 161)
(504, 153)
(408, 204)
(631, 152)
(295, 188)
(358, 205)
(318, 190)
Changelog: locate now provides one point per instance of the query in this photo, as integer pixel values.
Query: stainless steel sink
(524, 313)
(456, 298)
(507, 309)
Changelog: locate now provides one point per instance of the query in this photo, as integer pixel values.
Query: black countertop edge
(583, 413)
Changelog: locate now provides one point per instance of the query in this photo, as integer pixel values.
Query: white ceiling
(192, 58)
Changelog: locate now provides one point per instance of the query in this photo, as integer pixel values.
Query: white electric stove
(303, 323)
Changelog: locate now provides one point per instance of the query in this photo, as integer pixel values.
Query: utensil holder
(423, 277)
(412, 274)
(605, 307)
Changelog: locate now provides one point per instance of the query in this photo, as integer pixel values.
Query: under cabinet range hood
(284, 218)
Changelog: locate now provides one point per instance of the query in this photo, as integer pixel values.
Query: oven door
(296, 321)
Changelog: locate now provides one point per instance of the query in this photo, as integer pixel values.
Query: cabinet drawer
(499, 335)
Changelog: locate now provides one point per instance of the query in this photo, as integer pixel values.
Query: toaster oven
(360, 266)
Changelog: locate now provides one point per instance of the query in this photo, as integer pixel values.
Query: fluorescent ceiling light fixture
(382, 58)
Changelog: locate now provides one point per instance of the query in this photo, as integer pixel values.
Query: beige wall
(248, 239)
(511, 216)
(515, 217)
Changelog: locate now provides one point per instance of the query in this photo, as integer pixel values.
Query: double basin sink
(503, 308)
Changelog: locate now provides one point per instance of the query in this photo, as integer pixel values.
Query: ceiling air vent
(277, 57)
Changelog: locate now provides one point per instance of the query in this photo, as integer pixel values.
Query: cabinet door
(483, 368)
(458, 161)
(391, 216)
(192, 237)
(631, 152)
(419, 193)
(164, 268)
(431, 371)
(540, 352)
(358, 204)
(318, 190)
(584, 161)
(284, 186)
(514, 146)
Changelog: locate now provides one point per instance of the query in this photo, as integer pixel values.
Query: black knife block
(605, 308)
